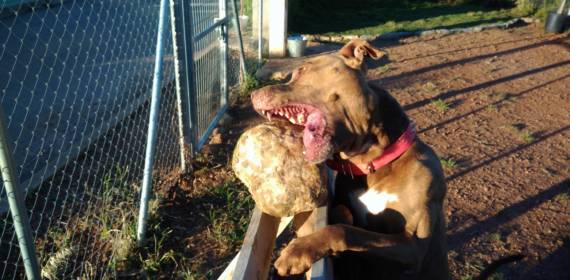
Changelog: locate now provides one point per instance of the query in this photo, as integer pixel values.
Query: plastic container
(243, 21)
(555, 22)
(296, 45)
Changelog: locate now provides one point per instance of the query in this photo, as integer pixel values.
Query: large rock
(268, 159)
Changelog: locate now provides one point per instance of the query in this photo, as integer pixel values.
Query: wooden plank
(229, 271)
(277, 28)
(255, 255)
(322, 269)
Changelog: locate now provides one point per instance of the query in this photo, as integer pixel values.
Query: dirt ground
(495, 105)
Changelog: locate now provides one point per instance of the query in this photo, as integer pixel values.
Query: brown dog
(389, 219)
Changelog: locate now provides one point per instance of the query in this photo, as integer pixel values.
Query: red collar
(392, 152)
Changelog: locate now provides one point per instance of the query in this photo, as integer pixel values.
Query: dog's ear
(356, 50)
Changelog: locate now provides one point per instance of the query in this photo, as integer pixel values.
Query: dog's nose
(255, 94)
(260, 97)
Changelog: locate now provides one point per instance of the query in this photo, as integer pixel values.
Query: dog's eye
(333, 97)
(296, 73)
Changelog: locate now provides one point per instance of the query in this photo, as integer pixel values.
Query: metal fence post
(184, 129)
(241, 51)
(223, 53)
(183, 23)
(17, 206)
(153, 122)
(260, 35)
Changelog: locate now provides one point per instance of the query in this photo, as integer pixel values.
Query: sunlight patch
(376, 201)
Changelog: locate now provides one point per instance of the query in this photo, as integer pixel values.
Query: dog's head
(329, 97)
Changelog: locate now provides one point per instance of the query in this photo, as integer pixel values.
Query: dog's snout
(261, 98)
(258, 95)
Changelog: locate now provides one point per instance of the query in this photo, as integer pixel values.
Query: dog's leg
(302, 252)
(404, 248)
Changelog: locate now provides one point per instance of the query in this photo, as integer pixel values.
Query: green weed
(429, 86)
(527, 137)
(155, 258)
(226, 227)
(448, 163)
(494, 237)
(497, 276)
(562, 197)
(522, 132)
(382, 70)
(440, 104)
(249, 83)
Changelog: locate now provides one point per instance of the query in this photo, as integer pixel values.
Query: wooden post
(274, 31)
(278, 28)
(255, 256)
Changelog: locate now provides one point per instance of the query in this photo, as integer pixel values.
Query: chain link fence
(75, 87)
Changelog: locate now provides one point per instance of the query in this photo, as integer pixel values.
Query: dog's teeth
(280, 113)
(304, 152)
(292, 120)
(301, 118)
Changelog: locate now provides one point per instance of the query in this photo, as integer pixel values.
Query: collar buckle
(370, 168)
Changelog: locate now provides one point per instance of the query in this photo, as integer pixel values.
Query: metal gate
(201, 33)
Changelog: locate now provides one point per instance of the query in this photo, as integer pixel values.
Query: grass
(522, 132)
(448, 163)
(494, 276)
(562, 197)
(431, 87)
(155, 259)
(440, 104)
(227, 218)
(110, 222)
(110, 218)
(381, 70)
(494, 237)
(497, 276)
(220, 209)
(492, 107)
(249, 83)
(228, 229)
(390, 17)
(527, 136)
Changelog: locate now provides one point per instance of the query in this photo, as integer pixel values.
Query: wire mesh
(75, 79)
(207, 56)
(249, 34)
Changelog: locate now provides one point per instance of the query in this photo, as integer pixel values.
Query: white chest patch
(376, 201)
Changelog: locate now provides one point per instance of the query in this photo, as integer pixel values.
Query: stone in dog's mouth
(316, 139)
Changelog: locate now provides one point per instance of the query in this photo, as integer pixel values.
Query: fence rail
(76, 84)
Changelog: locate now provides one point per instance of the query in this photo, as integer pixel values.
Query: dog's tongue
(313, 137)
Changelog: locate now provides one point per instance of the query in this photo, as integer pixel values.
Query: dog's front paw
(299, 255)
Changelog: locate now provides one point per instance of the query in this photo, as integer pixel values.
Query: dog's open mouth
(316, 139)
